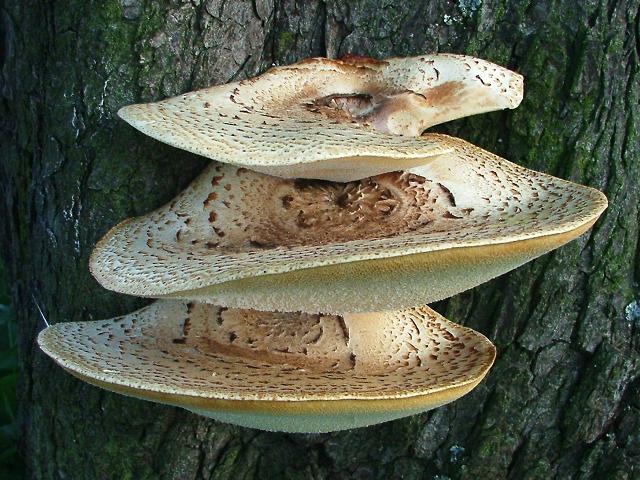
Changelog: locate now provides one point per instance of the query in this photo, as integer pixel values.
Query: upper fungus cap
(243, 239)
(290, 372)
(336, 120)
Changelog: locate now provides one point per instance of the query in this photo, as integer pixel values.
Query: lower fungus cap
(277, 371)
(243, 239)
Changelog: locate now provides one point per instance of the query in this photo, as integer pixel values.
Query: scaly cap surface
(338, 120)
(275, 371)
(243, 239)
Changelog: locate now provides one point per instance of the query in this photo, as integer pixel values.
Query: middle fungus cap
(243, 239)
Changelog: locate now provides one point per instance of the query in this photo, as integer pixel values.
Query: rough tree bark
(563, 399)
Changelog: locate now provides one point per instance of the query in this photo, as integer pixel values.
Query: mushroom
(420, 218)
(338, 120)
(277, 371)
(242, 239)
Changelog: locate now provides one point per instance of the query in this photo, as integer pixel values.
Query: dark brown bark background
(562, 401)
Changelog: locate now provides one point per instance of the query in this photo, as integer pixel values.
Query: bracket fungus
(331, 204)
(291, 372)
(337, 120)
(243, 239)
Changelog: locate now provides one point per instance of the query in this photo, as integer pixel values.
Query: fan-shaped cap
(243, 239)
(330, 119)
(288, 372)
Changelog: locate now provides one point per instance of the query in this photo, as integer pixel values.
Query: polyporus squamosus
(243, 239)
(420, 218)
(327, 119)
(293, 372)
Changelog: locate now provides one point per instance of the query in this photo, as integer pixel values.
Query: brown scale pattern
(233, 223)
(209, 351)
(320, 212)
(308, 113)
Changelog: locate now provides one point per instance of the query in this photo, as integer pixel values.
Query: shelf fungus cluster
(292, 274)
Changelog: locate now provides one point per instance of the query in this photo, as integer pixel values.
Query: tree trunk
(563, 399)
